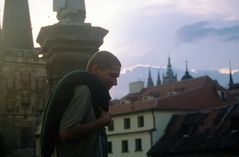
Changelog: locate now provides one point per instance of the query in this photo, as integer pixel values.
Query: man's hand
(105, 118)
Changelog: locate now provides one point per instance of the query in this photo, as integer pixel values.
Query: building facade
(23, 81)
(24, 93)
(133, 134)
(140, 119)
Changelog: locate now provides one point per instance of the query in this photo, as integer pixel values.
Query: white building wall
(155, 123)
(117, 144)
(134, 132)
(119, 122)
(161, 122)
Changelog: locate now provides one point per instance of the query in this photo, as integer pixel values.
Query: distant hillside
(141, 73)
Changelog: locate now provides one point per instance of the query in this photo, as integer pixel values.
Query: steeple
(170, 76)
(158, 80)
(186, 75)
(169, 68)
(17, 31)
(230, 76)
(150, 80)
(169, 64)
(186, 66)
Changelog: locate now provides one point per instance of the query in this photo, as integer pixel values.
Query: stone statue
(70, 11)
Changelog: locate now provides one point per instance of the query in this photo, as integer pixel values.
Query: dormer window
(145, 98)
(125, 101)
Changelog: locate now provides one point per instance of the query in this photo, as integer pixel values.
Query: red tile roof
(180, 86)
(200, 132)
(188, 95)
(197, 99)
(126, 108)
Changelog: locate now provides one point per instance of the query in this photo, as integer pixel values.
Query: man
(81, 132)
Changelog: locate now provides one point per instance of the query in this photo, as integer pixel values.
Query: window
(111, 126)
(138, 144)
(125, 146)
(126, 123)
(140, 121)
(109, 147)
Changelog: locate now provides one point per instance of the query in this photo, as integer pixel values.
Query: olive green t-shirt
(79, 111)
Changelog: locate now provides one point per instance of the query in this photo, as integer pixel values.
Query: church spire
(230, 76)
(158, 80)
(186, 75)
(150, 80)
(16, 29)
(169, 76)
(186, 66)
(169, 63)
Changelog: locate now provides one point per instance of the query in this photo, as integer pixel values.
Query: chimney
(135, 87)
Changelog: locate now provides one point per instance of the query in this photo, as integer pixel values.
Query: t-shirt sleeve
(77, 108)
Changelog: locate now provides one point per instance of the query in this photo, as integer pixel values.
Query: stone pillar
(68, 47)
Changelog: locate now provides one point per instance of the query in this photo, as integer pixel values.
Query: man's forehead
(115, 69)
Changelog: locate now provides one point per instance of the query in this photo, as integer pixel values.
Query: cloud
(229, 33)
(194, 32)
(201, 30)
(227, 71)
(132, 68)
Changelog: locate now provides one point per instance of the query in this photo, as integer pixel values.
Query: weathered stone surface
(68, 47)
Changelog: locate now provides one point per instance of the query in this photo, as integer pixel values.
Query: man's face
(109, 76)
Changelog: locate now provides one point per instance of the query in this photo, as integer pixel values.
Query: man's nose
(115, 82)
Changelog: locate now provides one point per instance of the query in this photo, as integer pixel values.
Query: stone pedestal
(68, 47)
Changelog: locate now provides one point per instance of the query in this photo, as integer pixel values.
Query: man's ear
(95, 69)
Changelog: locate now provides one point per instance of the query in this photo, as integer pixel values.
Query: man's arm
(71, 126)
(87, 128)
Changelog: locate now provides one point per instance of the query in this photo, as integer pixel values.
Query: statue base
(68, 47)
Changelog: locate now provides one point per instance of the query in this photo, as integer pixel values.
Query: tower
(169, 76)
(158, 80)
(16, 30)
(186, 75)
(231, 83)
(150, 80)
(24, 89)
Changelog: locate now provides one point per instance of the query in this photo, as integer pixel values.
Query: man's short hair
(103, 59)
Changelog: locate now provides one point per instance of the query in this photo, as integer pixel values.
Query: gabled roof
(194, 132)
(196, 99)
(180, 86)
(128, 108)
(189, 95)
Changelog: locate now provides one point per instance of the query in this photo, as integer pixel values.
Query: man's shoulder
(82, 89)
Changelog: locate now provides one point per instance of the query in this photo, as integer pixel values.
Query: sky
(146, 32)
